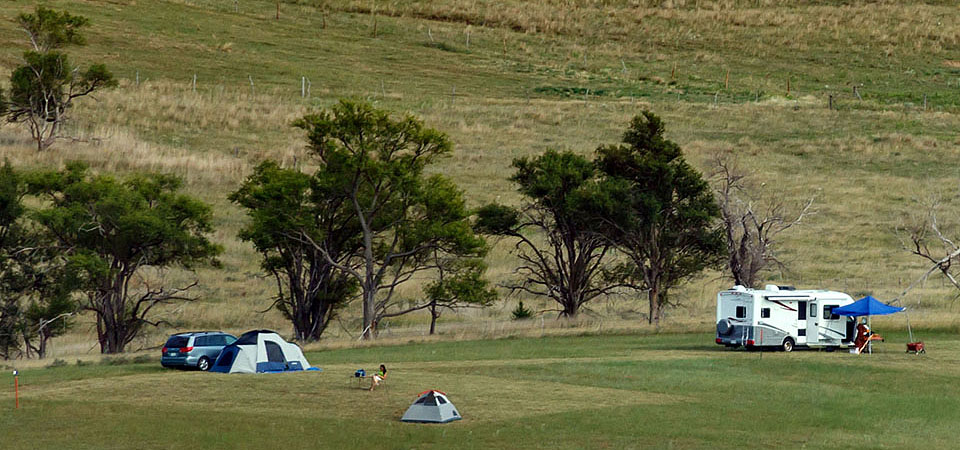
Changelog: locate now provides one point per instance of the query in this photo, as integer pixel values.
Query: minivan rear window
(176, 342)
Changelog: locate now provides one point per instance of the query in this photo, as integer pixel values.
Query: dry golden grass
(774, 25)
(848, 245)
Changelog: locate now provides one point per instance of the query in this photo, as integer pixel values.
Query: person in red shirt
(863, 335)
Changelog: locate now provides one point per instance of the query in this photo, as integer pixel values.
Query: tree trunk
(369, 313)
(113, 342)
(654, 297)
(113, 338)
(570, 309)
(318, 322)
(369, 279)
(42, 347)
(26, 342)
(433, 316)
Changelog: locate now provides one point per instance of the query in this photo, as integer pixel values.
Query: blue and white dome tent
(261, 351)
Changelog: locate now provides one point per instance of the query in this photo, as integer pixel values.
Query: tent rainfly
(431, 407)
(261, 351)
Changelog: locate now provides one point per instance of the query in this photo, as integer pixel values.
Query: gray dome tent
(431, 407)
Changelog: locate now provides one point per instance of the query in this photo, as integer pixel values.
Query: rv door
(833, 325)
(802, 322)
(813, 330)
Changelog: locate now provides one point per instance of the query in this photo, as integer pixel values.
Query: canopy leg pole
(870, 338)
(909, 330)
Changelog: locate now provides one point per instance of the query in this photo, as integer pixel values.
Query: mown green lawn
(612, 391)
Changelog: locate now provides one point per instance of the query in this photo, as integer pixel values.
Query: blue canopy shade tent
(867, 306)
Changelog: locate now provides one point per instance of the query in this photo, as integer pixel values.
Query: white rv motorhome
(782, 317)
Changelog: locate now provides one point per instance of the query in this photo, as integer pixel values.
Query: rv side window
(741, 312)
(813, 310)
(828, 312)
(765, 313)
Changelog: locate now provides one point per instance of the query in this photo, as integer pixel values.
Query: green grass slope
(609, 391)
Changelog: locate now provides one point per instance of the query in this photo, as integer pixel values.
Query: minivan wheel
(204, 364)
(787, 345)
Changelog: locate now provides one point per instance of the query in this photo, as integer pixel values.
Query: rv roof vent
(771, 287)
(787, 288)
(739, 288)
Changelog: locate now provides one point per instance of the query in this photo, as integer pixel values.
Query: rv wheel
(787, 345)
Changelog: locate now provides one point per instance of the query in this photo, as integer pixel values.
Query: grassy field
(588, 391)
(749, 77)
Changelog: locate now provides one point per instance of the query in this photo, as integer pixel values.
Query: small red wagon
(915, 347)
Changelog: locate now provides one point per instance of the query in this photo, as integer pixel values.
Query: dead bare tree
(752, 220)
(925, 232)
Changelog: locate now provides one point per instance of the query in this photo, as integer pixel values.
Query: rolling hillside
(513, 78)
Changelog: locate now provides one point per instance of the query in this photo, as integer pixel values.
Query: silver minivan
(195, 349)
